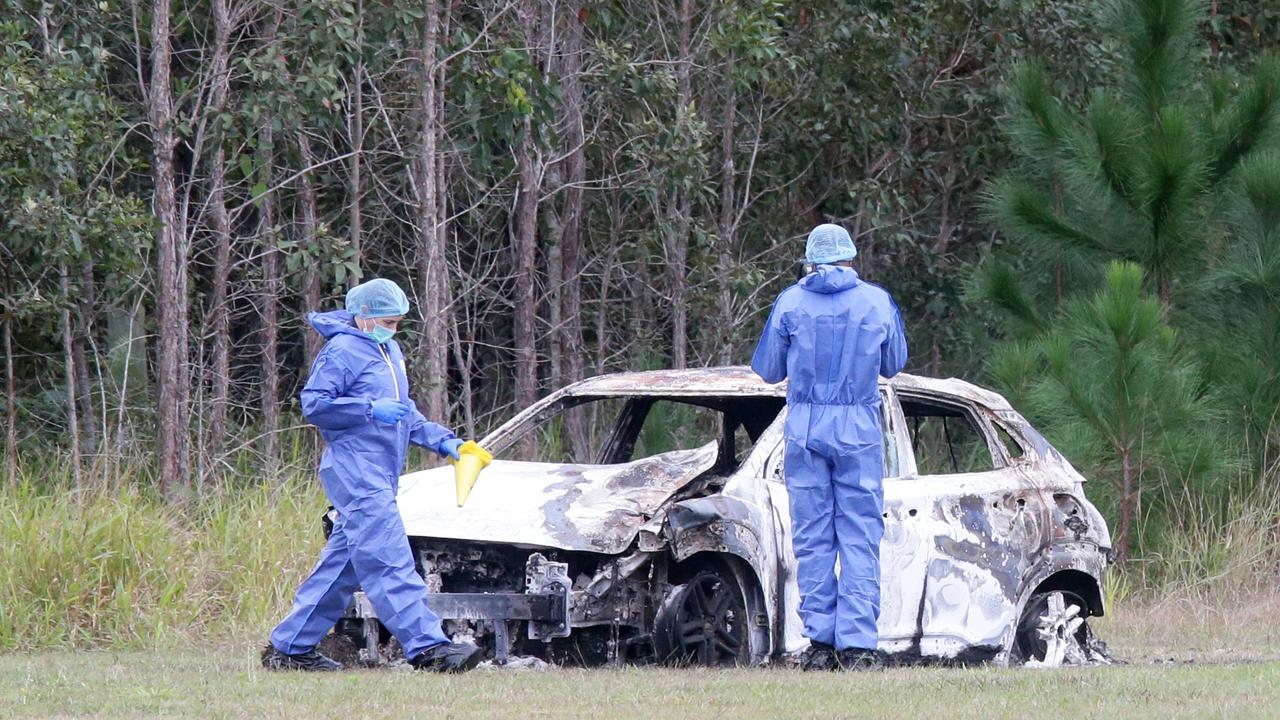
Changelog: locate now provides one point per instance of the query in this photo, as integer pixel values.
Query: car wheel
(1053, 632)
(703, 622)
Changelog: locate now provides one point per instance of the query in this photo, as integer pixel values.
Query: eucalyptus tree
(68, 218)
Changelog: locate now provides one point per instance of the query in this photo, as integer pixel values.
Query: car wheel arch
(1059, 576)
(1075, 581)
(761, 624)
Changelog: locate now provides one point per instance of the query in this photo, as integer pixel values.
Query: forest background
(1075, 203)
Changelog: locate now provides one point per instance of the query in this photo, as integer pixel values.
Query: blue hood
(336, 322)
(830, 279)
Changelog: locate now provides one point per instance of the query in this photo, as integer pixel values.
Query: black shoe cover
(819, 656)
(448, 658)
(310, 661)
(857, 659)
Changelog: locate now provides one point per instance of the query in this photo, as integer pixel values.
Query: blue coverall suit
(360, 472)
(831, 336)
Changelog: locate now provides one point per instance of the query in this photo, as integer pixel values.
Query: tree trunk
(524, 241)
(433, 276)
(80, 351)
(11, 402)
(356, 131)
(73, 421)
(1126, 506)
(271, 282)
(219, 312)
(569, 331)
(680, 206)
(727, 227)
(173, 421)
(312, 341)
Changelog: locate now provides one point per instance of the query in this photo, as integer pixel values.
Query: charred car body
(599, 536)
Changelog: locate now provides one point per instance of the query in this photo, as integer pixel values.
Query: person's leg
(321, 599)
(813, 538)
(859, 526)
(383, 565)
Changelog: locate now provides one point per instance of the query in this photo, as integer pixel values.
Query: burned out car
(642, 517)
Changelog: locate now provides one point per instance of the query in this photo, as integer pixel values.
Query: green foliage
(118, 566)
(1157, 173)
(1244, 294)
(59, 182)
(1119, 395)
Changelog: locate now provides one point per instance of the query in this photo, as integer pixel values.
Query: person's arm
(770, 358)
(324, 401)
(893, 351)
(424, 433)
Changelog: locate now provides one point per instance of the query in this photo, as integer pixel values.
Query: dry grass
(1193, 627)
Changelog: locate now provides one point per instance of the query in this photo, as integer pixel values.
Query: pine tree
(1146, 182)
(1121, 392)
(1137, 174)
(1244, 294)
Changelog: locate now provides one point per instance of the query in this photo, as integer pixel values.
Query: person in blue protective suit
(831, 336)
(358, 396)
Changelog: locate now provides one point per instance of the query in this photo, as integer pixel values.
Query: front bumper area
(544, 606)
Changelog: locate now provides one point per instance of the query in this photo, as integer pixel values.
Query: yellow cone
(466, 470)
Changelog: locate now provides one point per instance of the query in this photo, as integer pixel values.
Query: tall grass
(1215, 547)
(111, 564)
(115, 565)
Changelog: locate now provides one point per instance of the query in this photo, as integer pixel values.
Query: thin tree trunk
(569, 331)
(444, 232)
(271, 281)
(677, 249)
(602, 312)
(524, 242)
(727, 229)
(1126, 506)
(11, 400)
(312, 341)
(79, 347)
(171, 297)
(73, 421)
(433, 277)
(356, 130)
(219, 312)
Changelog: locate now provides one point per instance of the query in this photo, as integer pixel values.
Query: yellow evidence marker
(473, 459)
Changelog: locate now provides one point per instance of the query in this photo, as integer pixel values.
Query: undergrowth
(118, 566)
(115, 565)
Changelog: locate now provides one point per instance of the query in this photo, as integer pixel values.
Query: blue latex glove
(450, 447)
(388, 410)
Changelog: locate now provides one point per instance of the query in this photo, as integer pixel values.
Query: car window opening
(618, 430)
(946, 439)
(1011, 445)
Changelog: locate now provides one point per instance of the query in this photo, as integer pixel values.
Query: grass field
(1185, 659)
(229, 684)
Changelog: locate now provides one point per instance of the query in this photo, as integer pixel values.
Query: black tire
(703, 622)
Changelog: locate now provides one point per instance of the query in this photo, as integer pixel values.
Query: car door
(964, 521)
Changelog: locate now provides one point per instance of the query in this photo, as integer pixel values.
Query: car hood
(597, 508)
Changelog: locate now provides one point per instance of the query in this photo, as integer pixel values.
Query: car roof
(741, 381)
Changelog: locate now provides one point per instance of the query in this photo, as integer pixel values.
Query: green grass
(116, 604)
(117, 567)
(1184, 659)
(227, 683)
